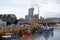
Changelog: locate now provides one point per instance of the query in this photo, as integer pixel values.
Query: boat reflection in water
(45, 36)
(39, 36)
(48, 35)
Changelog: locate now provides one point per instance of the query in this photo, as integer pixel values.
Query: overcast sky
(48, 8)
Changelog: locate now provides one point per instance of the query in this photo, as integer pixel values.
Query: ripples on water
(55, 35)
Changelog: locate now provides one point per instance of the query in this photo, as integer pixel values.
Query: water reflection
(39, 36)
(55, 35)
(47, 35)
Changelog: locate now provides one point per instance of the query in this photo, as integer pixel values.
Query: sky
(47, 8)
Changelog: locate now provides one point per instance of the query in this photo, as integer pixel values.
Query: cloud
(20, 7)
(20, 2)
(50, 8)
(20, 13)
(50, 1)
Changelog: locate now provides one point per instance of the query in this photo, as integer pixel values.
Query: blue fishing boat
(36, 31)
(9, 37)
(45, 29)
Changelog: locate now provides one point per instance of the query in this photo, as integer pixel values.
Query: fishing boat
(36, 31)
(47, 29)
(26, 34)
(9, 37)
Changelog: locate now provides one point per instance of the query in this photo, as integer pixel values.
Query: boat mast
(46, 25)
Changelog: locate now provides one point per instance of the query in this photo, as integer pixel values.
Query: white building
(29, 17)
(31, 11)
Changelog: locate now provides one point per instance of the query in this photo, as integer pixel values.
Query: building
(54, 18)
(0, 16)
(2, 24)
(36, 16)
(29, 17)
(41, 18)
(31, 11)
(21, 20)
(9, 18)
(26, 17)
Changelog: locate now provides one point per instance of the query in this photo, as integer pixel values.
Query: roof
(48, 21)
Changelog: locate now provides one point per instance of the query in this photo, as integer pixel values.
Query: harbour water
(55, 35)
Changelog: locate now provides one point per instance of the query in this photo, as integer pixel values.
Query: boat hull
(11, 38)
(26, 34)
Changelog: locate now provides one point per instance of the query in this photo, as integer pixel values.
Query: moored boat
(48, 29)
(36, 31)
(9, 37)
(26, 34)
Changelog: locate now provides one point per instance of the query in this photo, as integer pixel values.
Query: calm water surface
(55, 35)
